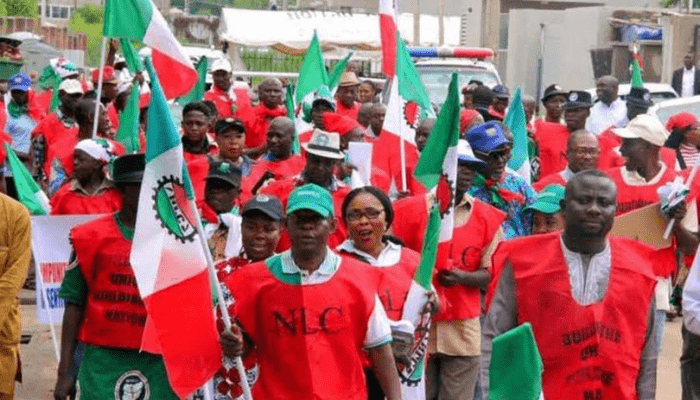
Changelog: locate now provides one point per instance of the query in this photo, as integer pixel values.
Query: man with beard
(582, 153)
(588, 296)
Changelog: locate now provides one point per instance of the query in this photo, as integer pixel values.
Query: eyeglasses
(356, 215)
(495, 155)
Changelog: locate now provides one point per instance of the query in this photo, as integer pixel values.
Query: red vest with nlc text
(589, 352)
(630, 198)
(114, 314)
(469, 242)
(309, 337)
(395, 281)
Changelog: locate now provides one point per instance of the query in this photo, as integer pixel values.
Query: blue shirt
(518, 222)
(20, 129)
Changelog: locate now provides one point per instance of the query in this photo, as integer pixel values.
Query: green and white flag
(312, 74)
(28, 191)
(515, 120)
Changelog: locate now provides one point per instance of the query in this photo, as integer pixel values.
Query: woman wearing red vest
(104, 309)
(589, 298)
(312, 314)
(367, 214)
(260, 232)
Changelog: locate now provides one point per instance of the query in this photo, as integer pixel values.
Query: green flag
(28, 192)
(636, 79)
(337, 71)
(128, 132)
(516, 367)
(312, 74)
(515, 120)
(133, 61)
(50, 79)
(289, 102)
(410, 85)
(197, 92)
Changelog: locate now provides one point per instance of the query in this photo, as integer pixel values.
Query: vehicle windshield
(437, 79)
(664, 113)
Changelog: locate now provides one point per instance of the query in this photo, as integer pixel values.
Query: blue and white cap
(466, 154)
(20, 81)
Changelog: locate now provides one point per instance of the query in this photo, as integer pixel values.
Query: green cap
(547, 201)
(311, 197)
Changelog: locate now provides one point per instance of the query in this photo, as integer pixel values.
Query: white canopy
(291, 31)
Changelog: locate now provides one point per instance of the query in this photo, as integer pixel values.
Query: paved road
(39, 362)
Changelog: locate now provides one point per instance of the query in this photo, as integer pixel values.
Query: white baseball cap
(646, 127)
(221, 64)
(71, 86)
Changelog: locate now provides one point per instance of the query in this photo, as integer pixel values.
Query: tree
(19, 8)
(79, 22)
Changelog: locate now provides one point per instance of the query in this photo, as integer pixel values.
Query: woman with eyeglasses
(368, 214)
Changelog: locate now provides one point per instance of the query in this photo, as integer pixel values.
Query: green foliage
(91, 14)
(93, 31)
(19, 8)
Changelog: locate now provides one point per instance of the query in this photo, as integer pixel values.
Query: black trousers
(374, 390)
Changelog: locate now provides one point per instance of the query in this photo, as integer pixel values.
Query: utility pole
(416, 25)
(441, 22)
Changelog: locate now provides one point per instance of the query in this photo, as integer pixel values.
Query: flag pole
(100, 78)
(690, 179)
(220, 295)
(402, 148)
(45, 300)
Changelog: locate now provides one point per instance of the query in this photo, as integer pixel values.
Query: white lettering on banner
(52, 249)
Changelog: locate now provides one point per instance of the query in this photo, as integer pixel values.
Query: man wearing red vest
(271, 97)
(104, 309)
(260, 232)
(581, 153)
(551, 137)
(454, 342)
(278, 161)
(637, 184)
(589, 298)
(322, 157)
(58, 125)
(229, 101)
(311, 314)
(346, 96)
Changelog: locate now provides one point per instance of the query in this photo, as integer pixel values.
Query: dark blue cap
(485, 138)
(501, 92)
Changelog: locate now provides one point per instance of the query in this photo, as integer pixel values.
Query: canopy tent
(290, 32)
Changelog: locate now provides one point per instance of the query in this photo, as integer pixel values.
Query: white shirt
(588, 286)
(603, 116)
(378, 326)
(688, 82)
(390, 256)
(691, 299)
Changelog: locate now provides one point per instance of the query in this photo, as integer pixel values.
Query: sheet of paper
(646, 224)
(360, 155)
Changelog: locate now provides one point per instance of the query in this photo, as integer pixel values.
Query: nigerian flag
(168, 258)
(28, 192)
(128, 132)
(515, 372)
(312, 74)
(636, 79)
(515, 120)
(437, 170)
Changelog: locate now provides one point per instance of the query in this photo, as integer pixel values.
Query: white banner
(52, 250)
